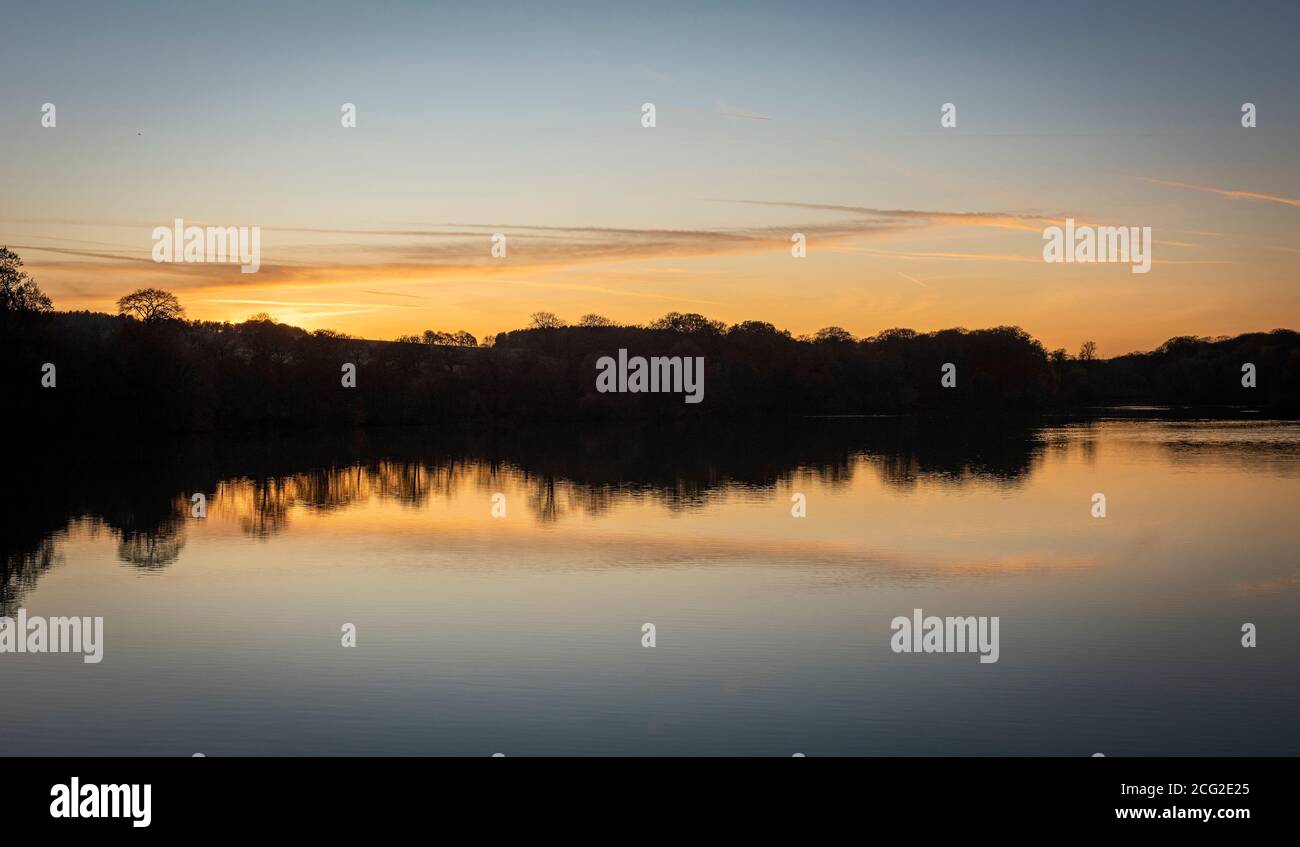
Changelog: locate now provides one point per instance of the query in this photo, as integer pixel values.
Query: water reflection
(140, 491)
(1119, 634)
(20, 569)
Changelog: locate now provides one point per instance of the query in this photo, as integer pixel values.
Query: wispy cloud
(118, 256)
(729, 111)
(421, 253)
(1001, 220)
(398, 255)
(974, 257)
(308, 303)
(1224, 192)
(391, 294)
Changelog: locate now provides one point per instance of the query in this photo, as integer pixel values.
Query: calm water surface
(522, 634)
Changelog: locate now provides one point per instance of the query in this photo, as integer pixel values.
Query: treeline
(1191, 371)
(170, 374)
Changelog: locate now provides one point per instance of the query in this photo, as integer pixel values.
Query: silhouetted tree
(833, 335)
(545, 320)
(1088, 351)
(688, 323)
(447, 339)
(757, 329)
(151, 304)
(593, 319)
(18, 291)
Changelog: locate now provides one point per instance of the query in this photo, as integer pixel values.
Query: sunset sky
(525, 119)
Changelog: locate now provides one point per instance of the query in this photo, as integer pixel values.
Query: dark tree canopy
(18, 291)
(444, 339)
(545, 320)
(151, 304)
(833, 334)
(689, 323)
(206, 375)
(756, 328)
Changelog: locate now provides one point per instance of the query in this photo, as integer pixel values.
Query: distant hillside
(117, 372)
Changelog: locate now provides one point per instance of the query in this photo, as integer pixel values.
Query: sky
(771, 119)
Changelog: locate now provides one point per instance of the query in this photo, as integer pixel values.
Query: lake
(522, 633)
